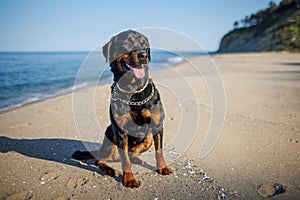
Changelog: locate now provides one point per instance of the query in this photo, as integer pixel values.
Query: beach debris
(174, 153)
(191, 172)
(222, 196)
(279, 188)
(76, 182)
(205, 176)
(49, 176)
(268, 190)
(20, 195)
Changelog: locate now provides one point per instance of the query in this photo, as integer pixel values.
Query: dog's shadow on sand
(53, 149)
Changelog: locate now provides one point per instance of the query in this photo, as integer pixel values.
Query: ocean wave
(24, 102)
(79, 86)
(175, 60)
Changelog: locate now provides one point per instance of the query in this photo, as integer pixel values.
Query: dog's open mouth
(138, 71)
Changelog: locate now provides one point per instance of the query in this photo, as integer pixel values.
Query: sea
(27, 77)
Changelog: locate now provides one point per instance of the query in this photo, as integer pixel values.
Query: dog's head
(128, 54)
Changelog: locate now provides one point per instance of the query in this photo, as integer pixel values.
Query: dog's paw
(106, 170)
(129, 181)
(164, 171)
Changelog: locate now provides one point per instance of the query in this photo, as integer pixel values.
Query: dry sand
(259, 143)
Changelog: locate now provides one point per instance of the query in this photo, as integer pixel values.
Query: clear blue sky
(72, 25)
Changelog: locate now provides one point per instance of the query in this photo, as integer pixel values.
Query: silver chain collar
(115, 96)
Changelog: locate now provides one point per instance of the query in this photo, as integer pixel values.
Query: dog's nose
(143, 55)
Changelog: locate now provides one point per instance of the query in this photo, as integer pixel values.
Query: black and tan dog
(136, 111)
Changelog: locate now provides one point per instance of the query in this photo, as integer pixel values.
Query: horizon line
(87, 51)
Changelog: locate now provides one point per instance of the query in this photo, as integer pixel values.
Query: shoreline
(209, 54)
(46, 99)
(259, 143)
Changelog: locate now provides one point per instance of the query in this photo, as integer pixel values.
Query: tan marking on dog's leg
(128, 179)
(161, 165)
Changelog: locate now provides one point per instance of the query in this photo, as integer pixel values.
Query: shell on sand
(266, 190)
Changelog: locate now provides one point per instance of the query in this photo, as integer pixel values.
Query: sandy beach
(258, 144)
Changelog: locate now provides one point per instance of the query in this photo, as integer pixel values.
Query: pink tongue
(139, 72)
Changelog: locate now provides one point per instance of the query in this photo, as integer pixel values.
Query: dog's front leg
(162, 167)
(128, 179)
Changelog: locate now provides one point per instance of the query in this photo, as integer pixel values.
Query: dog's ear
(105, 51)
(149, 56)
(108, 50)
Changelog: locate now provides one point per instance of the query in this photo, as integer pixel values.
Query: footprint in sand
(20, 195)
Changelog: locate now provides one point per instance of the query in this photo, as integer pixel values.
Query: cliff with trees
(276, 28)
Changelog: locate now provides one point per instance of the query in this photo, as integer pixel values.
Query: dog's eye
(127, 44)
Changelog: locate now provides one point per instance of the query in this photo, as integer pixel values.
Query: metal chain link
(115, 96)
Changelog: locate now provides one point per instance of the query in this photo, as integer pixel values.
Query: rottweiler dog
(136, 110)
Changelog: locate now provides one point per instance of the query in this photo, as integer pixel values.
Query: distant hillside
(276, 28)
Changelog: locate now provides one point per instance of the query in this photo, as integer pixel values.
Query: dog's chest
(141, 117)
(138, 119)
